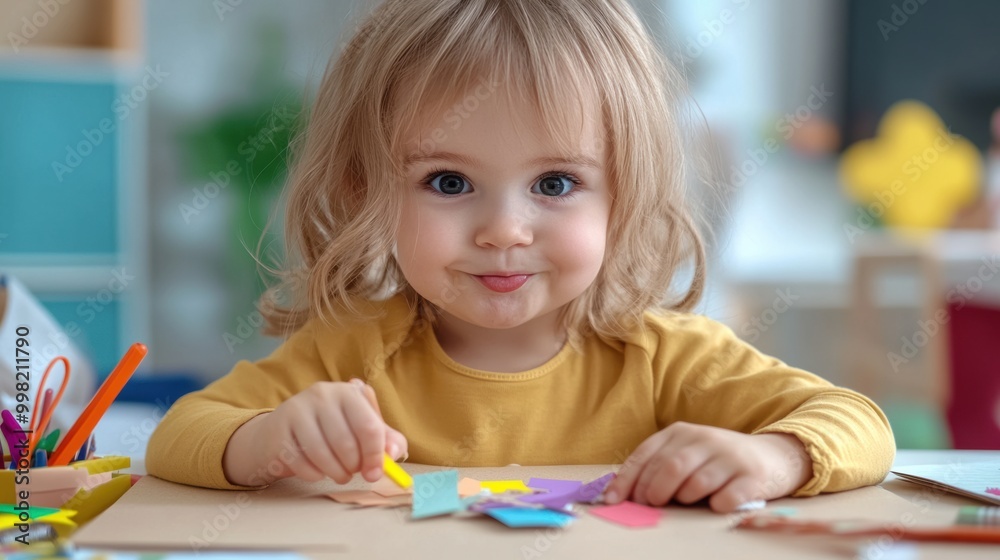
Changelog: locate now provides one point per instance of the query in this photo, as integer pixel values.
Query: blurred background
(143, 147)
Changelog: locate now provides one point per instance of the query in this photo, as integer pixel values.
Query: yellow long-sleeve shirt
(591, 407)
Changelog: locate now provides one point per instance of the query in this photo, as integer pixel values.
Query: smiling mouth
(503, 284)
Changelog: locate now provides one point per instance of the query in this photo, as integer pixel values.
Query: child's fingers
(340, 437)
(314, 446)
(395, 444)
(301, 466)
(339, 441)
(705, 481)
(369, 432)
(666, 471)
(368, 393)
(736, 492)
(621, 487)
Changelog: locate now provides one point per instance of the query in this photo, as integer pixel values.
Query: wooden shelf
(110, 25)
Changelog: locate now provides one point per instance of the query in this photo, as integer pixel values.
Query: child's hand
(688, 462)
(329, 430)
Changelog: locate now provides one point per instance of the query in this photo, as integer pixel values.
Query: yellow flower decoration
(914, 173)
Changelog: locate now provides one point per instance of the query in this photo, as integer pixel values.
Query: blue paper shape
(529, 517)
(435, 493)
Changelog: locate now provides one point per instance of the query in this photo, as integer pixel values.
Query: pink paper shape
(629, 514)
(994, 491)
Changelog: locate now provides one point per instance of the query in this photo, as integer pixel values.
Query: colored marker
(81, 454)
(48, 442)
(46, 405)
(41, 459)
(84, 425)
(10, 429)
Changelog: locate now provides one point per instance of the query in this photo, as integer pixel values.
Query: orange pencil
(80, 431)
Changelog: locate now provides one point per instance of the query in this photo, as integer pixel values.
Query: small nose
(505, 223)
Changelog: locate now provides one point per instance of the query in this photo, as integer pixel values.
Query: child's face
(482, 202)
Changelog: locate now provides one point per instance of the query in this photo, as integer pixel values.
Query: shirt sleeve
(705, 374)
(189, 443)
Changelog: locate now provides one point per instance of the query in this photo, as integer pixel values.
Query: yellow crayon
(396, 472)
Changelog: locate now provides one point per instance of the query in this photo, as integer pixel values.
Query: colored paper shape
(628, 514)
(915, 172)
(752, 505)
(34, 512)
(554, 500)
(58, 518)
(483, 505)
(994, 491)
(435, 493)
(387, 488)
(368, 498)
(587, 493)
(529, 517)
(593, 490)
(554, 485)
(469, 487)
(501, 486)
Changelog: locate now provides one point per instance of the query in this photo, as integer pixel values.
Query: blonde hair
(410, 56)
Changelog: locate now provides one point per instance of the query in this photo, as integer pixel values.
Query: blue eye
(448, 183)
(554, 185)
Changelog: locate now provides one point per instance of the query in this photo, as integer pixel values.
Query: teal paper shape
(435, 493)
(529, 517)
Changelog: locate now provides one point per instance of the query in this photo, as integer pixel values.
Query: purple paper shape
(489, 504)
(588, 492)
(553, 485)
(592, 490)
(550, 500)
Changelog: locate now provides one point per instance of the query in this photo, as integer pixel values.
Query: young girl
(486, 216)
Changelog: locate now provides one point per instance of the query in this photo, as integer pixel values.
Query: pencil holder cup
(87, 487)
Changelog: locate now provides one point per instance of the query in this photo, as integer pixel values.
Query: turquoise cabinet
(72, 196)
